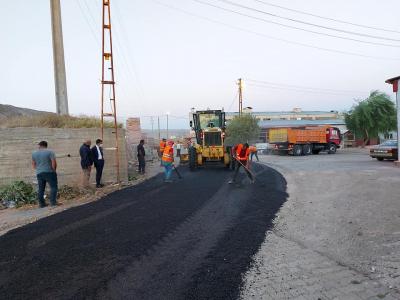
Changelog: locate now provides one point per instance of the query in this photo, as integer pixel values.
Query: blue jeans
(51, 179)
(168, 169)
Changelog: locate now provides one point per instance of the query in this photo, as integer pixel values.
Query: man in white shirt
(98, 160)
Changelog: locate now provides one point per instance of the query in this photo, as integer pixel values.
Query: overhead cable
(308, 23)
(272, 37)
(327, 18)
(296, 28)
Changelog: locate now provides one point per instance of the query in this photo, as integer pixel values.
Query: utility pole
(60, 78)
(152, 127)
(159, 133)
(108, 80)
(240, 84)
(167, 127)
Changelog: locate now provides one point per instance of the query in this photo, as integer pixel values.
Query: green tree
(371, 116)
(242, 129)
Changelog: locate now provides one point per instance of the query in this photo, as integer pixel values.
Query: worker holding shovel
(241, 154)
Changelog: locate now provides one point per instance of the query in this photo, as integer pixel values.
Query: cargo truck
(305, 141)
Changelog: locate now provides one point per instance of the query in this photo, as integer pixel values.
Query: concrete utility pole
(240, 84)
(395, 82)
(159, 133)
(60, 78)
(167, 127)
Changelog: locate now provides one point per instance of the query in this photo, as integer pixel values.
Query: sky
(171, 56)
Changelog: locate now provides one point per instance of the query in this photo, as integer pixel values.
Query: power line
(93, 32)
(298, 90)
(233, 100)
(327, 18)
(132, 64)
(308, 23)
(294, 27)
(274, 38)
(261, 82)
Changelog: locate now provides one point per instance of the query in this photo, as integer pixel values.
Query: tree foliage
(242, 129)
(372, 116)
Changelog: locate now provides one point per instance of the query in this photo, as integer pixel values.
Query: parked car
(386, 150)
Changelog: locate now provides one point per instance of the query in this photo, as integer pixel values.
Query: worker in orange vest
(163, 143)
(241, 154)
(253, 151)
(167, 160)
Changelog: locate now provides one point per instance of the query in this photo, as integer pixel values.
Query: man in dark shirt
(98, 161)
(141, 154)
(86, 162)
(45, 164)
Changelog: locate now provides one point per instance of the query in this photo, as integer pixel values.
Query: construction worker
(253, 151)
(163, 143)
(167, 160)
(241, 154)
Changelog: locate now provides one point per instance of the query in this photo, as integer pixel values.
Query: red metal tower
(108, 80)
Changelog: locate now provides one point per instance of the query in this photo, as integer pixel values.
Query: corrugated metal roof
(261, 113)
(288, 123)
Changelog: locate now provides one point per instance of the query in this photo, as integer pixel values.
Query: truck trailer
(306, 140)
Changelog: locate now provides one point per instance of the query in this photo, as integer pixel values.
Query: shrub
(17, 194)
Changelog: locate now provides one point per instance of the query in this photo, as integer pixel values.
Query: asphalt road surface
(192, 239)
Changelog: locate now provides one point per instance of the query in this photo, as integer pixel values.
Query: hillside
(9, 111)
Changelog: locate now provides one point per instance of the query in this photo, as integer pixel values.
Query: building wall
(291, 115)
(17, 145)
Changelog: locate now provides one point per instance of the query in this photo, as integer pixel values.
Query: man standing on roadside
(98, 161)
(141, 157)
(178, 149)
(45, 164)
(86, 162)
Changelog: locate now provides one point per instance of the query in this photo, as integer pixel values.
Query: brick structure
(17, 144)
(133, 137)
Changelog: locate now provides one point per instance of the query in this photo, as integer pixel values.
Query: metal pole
(167, 128)
(159, 134)
(240, 96)
(60, 78)
(398, 121)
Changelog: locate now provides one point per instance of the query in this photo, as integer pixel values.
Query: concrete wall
(17, 144)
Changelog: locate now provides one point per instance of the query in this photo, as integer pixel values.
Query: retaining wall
(17, 145)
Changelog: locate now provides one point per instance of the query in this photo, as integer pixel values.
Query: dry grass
(55, 121)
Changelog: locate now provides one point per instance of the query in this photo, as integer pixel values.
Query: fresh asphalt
(191, 239)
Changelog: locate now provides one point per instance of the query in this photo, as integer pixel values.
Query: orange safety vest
(168, 154)
(239, 149)
(253, 149)
(162, 146)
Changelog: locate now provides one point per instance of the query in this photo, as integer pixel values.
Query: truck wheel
(297, 150)
(192, 158)
(332, 149)
(306, 149)
(379, 158)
